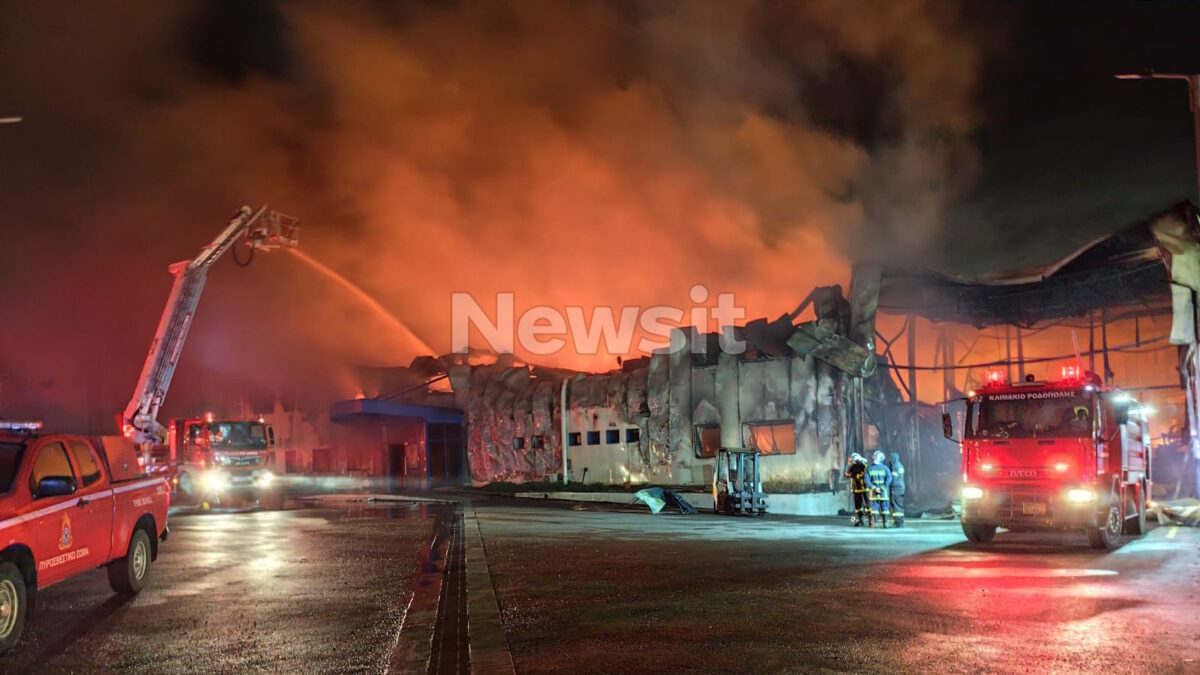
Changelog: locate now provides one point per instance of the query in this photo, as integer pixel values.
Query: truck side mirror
(55, 486)
(947, 426)
(1122, 414)
(270, 436)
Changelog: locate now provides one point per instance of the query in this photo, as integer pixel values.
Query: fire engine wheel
(979, 533)
(12, 606)
(1108, 535)
(128, 575)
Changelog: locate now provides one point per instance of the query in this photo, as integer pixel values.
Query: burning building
(804, 395)
(659, 419)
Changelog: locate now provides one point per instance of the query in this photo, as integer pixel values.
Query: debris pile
(1179, 512)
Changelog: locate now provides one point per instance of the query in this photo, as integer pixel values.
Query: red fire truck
(70, 504)
(1062, 455)
(206, 458)
(219, 460)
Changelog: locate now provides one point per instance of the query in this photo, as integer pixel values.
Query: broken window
(708, 440)
(537, 442)
(573, 438)
(633, 435)
(593, 438)
(518, 443)
(772, 438)
(612, 436)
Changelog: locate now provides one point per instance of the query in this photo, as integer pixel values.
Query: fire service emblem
(64, 540)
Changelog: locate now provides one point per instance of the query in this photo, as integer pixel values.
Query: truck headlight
(213, 481)
(972, 492)
(1080, 495)
(223, 459)
(265, 479)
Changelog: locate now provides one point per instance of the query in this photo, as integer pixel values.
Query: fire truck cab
(1059, 455)
(222, 461)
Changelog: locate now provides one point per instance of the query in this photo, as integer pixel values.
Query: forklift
(737, 488)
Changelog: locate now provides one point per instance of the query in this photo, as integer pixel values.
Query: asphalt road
(298, 591)
(337, 589)
(631, 592)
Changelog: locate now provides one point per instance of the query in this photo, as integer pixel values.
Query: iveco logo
(1022, 474)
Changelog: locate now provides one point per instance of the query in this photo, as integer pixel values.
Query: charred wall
(644, 424)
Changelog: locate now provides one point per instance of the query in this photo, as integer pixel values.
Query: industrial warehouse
(791, 395)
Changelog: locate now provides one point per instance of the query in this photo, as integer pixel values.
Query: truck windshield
(1031, 414)
(233, 435)
(10, 461)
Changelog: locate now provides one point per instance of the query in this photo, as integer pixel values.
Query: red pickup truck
(69, 504)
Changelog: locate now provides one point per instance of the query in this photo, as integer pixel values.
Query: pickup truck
(70, 504)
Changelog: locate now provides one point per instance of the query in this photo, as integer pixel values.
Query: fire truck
(1054, 455)
(217, 460)
(205, 458)
(70, 504)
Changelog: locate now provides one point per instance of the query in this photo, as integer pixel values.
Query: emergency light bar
(1070, 371)
(994, 377)
(21, 426)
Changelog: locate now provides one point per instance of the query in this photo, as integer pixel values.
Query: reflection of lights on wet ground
(266, 565)
(954, 572)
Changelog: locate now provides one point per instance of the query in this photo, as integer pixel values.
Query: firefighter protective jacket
(879, 480)
(897, 475)
(857, 473)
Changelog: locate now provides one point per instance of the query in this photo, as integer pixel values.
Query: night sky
(574, 153)
(1064, 148)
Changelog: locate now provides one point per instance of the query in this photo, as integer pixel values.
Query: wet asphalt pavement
(299, 591)
(327, 590)
(631, 592)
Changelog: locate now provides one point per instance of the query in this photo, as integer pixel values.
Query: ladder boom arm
(141, 414)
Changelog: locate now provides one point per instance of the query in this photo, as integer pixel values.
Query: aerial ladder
(264, 230)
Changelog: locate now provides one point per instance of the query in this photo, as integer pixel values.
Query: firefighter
(1081, 422)
(856, 471)
(879, 480)
(898, 490)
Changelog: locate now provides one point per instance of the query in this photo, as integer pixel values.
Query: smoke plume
(575, 153)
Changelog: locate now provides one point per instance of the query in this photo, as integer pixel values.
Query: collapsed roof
(1134, 267)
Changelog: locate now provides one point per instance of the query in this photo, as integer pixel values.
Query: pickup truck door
(93, 513)
(56, 547)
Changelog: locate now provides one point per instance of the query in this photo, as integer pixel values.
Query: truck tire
(128, 575)
(1108, 535)
(979, 533)
(13, 606)
(1137, 525)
